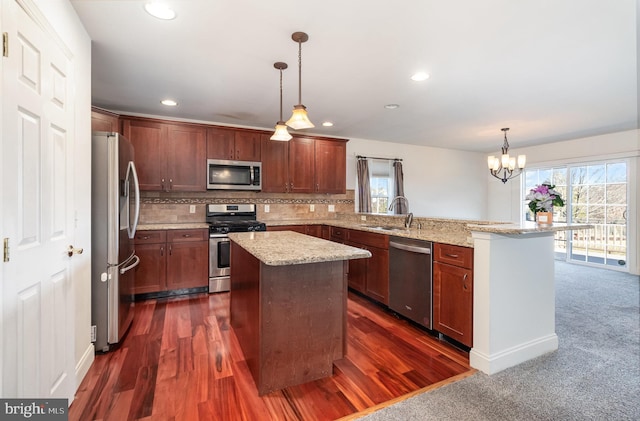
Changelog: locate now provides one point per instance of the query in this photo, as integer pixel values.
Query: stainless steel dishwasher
(410, 279)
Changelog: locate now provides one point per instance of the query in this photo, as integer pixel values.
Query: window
(595, 194)
(381, 182)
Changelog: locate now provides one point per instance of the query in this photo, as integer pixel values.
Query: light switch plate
(363, 217)
(332, 208)
(266, 208)
(312, 208)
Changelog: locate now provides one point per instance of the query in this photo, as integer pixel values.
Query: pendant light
(504, 167)
(281, 132)
(299, 119)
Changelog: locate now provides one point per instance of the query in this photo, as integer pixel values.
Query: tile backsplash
(170, 207)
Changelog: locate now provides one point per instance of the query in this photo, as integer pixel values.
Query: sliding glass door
(595, 194)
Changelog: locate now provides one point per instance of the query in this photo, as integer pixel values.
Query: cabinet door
(302, 165)
(275, 171)
(186, 158)
(453, 302)
(314, 230)
(377, 285)
(220, 143)
(187, 265)
(247, 146)
(104, 122)
(357, 272)
(148, 140)
(150, 274)
(331, 166)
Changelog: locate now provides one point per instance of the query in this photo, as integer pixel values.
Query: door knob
(72, 250)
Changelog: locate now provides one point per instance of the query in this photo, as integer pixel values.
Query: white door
(37, 206)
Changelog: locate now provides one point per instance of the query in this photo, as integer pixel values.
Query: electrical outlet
(312, 208)
(266, 208)
(192, 208)
(332, 208)
(94, 333)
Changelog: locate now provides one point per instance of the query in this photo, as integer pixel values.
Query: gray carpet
(594, 375)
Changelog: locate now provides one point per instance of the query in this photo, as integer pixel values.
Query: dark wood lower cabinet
(453, 302)
(171, 260)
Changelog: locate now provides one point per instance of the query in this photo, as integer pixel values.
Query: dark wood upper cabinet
(168, 157)
(303, 165)
(275, 165)
(233, 144)
(331, 166)
(104, 121)
(248, 147)
(186, 163)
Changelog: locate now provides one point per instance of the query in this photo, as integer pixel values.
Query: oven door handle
(218, 236)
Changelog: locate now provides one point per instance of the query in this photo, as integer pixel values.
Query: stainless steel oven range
(223, 219)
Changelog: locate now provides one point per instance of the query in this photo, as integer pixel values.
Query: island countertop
(280, 248)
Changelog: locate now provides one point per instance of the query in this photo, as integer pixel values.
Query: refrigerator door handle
(136, 261)
(132, 175)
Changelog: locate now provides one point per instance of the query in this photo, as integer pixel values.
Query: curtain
(364, 187)
(401, 205)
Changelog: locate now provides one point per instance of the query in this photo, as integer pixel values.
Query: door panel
(37, 198)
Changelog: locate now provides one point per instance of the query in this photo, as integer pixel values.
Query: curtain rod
(373, 157)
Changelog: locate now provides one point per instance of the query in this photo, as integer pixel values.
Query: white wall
(63, 18)
(505, 202)
(438, 182)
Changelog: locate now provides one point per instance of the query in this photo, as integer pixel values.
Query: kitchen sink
(384, 228)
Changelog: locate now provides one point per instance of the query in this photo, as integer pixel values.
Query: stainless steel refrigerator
(115, 208)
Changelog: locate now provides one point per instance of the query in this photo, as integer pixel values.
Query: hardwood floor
(181, 361)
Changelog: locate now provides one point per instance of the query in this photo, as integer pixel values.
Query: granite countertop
(279, 248)
(445, 236)
(526, 228)
(173, 226)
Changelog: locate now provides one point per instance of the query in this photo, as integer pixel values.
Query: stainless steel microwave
(233, 175)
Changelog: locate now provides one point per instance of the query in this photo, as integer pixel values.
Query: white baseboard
(83, 366)
(491, 364)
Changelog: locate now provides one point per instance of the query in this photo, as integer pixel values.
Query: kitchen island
(289, 305)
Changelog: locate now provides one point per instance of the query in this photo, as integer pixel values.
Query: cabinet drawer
(185, 236)
(150, 237)
(369, 238)
(339, 234)
(453, 255)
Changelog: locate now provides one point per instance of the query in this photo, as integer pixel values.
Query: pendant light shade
(299, 119)
(281, 132)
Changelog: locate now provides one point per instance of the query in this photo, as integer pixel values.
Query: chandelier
(504, 167)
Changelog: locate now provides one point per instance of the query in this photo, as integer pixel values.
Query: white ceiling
(550, 70)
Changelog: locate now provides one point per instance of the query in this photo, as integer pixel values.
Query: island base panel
(290, 320)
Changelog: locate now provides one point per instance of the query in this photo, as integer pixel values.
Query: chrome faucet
(409, 218)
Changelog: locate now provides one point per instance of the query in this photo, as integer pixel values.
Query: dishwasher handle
(407, 247)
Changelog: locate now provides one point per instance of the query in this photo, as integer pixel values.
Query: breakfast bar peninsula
(289, 305)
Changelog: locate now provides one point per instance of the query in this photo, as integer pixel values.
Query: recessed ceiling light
(420, 76)
(391, 106)
(160, 10)
(169, 102)
(327, 124)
